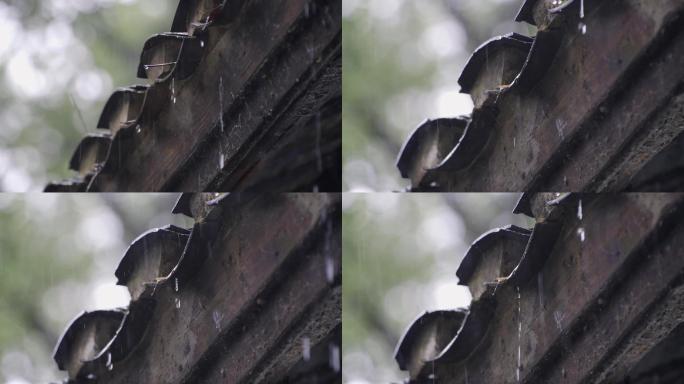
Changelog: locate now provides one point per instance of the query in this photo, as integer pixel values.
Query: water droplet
(581, 234)
(221, 103)
(514, 142)
(558, 318)
(217, 320)
(579, 210)
(91, 376)
(177, 303)
(518, 368)
(175, 284)
(540, 289)
(334, 357)
(173, 90)
(109, 364)
(319, 155)
(202, 43)
(138, 129)
(222, 160)
(582, 27)
(306, 349)
(329, 269)
(560, 125)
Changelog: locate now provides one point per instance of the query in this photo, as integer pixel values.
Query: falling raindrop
(579, 210)
(319, 156)
(173, 90)
(222, 160)
(518, 368)
(540, 289)
(91, 376)
(221, 103)
(558, 317)
(560, 125)
(310, 50)
(514, 142)
(334, 357)
(138, 129)
(581, 234)
(306, 349)
(109, 364)
(202, 43)
(176, 284)
(329, 269)
(217, 320)
(582, 27)
(177, 303)
(329, 263)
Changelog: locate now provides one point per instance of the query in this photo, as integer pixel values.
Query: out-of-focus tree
(401, 60)
(58, 254)
(400, 255)
(59, 62)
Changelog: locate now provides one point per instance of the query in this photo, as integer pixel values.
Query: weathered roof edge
(480, 56)
(101, 140)
(114, 100)
(77, 324)
(485, 241)
(413, 330)
(413, 143)
(126, 264)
